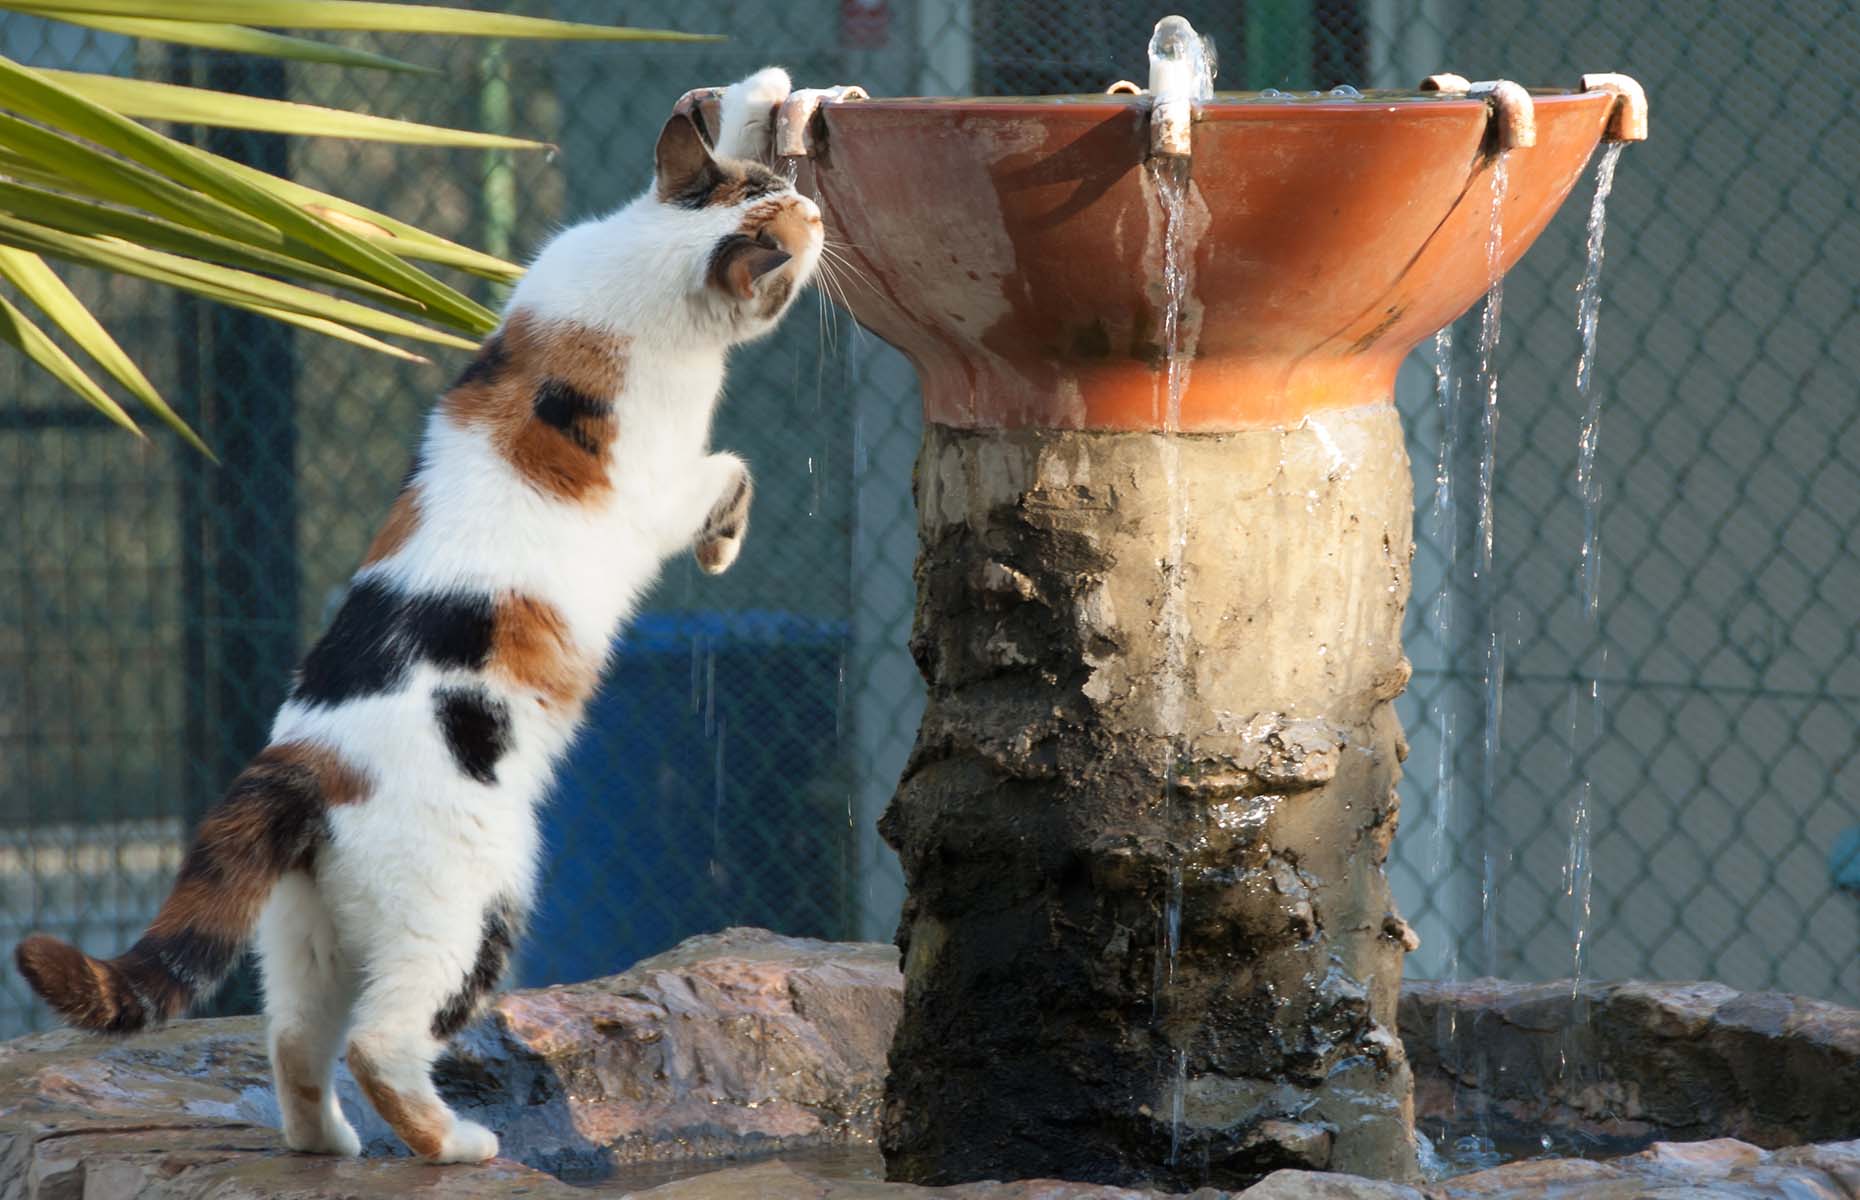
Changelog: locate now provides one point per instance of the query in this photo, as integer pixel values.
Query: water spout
(1627, 121)
(1181, 75)
(1514, 116)
(1513, 112)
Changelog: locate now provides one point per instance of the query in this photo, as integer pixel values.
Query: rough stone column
(1100, 774)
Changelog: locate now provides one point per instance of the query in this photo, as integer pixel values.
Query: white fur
(367, 951)
(748, 128)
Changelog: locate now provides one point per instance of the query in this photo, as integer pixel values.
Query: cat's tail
(270, 821)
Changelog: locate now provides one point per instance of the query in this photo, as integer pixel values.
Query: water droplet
(1345, 91)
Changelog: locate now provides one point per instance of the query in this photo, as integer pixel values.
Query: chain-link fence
(754, 725)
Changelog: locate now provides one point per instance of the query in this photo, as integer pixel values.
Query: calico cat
(383, 848)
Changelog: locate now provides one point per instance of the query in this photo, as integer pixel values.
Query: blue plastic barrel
(708, 788)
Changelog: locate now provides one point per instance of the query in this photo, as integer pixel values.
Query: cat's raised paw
(721, 539)
(749, 114)
(769, 86)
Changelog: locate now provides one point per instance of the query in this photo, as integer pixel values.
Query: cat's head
(762, 238)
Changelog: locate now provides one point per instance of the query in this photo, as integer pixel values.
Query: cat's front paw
(721, 539)
(749, 106)
(765, 89)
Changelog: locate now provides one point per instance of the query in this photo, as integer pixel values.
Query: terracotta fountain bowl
(1015, 249)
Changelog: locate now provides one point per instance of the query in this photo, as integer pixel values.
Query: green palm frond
(84, 182)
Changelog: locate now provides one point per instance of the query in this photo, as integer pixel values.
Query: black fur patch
(194, 960)
(567, 408)
(379, 633)
(414, 468)
(477, 729)
(489, 363)
(288, 809)
(759, 181)
(450, 629)
(696, 192)
(715, 185)
(494, 948)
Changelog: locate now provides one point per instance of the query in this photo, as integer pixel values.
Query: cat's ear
(740, 261)
(682, 165)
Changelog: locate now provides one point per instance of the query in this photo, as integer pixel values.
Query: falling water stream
(1443, 525)
(1486, 581)
(1181, 70)
(1585, 702)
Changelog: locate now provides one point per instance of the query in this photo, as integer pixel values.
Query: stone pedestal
(1149, 939)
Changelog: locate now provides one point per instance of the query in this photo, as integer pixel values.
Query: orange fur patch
(297, 1077)
(241, 838)
(86, 992)
(784, 219)
(341, 781)
(419, 1123)
(499, 394)
(401, 521)
(532, 648)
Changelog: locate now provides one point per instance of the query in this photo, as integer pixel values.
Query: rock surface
(1678, 1061)
(1723, 1167)
(747, 1044)
(739, 1043)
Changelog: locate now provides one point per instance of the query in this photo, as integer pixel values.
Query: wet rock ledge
(748, 1046)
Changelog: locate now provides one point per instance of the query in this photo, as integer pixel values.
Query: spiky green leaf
(29, 339)
(202, 106)
(371, 16)
(235, 39)
(38, 283)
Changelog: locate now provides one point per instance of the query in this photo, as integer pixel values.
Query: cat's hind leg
(309, 985)
(425, 981)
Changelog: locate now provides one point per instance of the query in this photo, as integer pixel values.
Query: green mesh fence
(754, 725)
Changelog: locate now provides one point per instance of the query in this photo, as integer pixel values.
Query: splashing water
(1182, 62)
(1586, 698)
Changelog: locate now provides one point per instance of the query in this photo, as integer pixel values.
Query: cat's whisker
(825, 293)
(829, 340)
(847, 264)
(834, 286)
